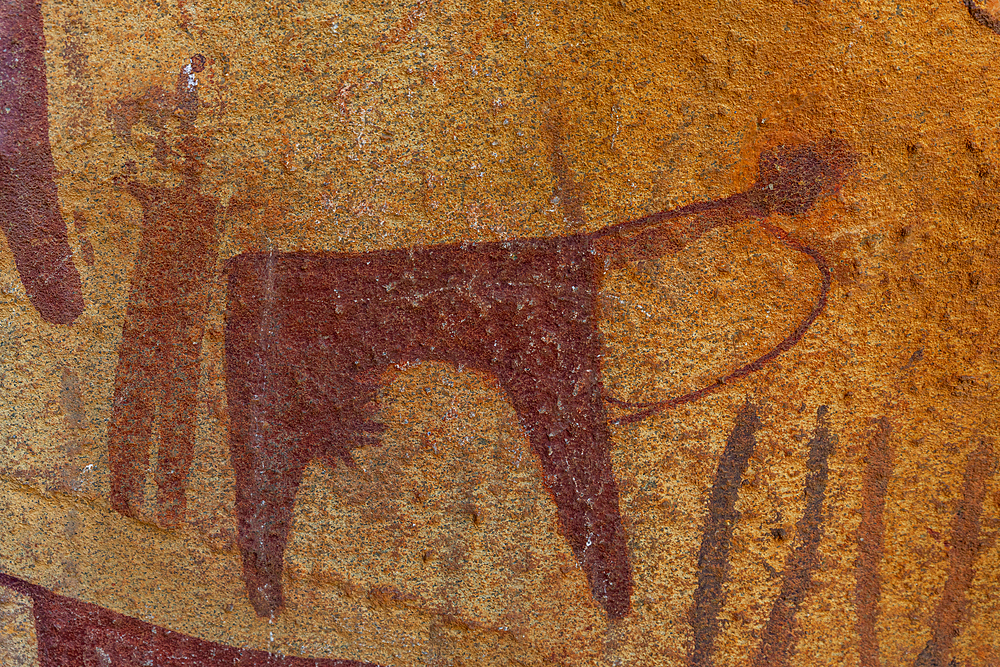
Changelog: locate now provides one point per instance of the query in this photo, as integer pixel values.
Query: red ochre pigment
(77, 634)
(306, 333)
(160, 352)
(29, 204)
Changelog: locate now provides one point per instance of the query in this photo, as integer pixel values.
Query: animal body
(306, 333)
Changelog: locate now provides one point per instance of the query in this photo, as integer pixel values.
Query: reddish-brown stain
(304, 330)
(871, 533)
(717, 535)
(963, 546)
(71, 633)
(86, 247)
(158, 366)
(29, 204)
(779, 636)
(982, 16)
(567, 194)
(307, 332)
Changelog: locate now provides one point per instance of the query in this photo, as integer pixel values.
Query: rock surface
(499, 333)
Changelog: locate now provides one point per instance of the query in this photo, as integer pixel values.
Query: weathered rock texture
(499, 333)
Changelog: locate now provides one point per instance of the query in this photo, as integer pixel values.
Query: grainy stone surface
(18, 643)
(319, 340)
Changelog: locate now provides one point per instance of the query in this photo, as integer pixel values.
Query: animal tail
(644, 410)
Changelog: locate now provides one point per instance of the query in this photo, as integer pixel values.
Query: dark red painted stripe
(713, 559)
(964, 546)
(871, 535)
(779, 636)
(29, 204)
(78, 634)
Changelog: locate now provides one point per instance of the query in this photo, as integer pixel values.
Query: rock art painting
(777, 642)
(161, 343)
(308, 336)
(72, 633)
(29, 208)
(350, 334)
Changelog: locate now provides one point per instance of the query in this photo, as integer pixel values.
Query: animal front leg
(565, 421)
(267, 479)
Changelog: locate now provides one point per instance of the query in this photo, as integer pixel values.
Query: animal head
(791, 179)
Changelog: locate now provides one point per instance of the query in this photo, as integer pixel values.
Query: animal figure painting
(309, 334)
(348, 334)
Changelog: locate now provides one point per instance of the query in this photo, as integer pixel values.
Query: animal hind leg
(568, 430)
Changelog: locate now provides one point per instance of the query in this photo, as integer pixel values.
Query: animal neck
(665, 232)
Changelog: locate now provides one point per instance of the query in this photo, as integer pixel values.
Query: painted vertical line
(963, 549)
(871, 534)
(779, 636)
(713, 559)
(29, 202)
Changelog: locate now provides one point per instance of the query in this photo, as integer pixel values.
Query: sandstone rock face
(499, 333)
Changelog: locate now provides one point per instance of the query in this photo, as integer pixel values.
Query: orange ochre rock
(340, 333)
